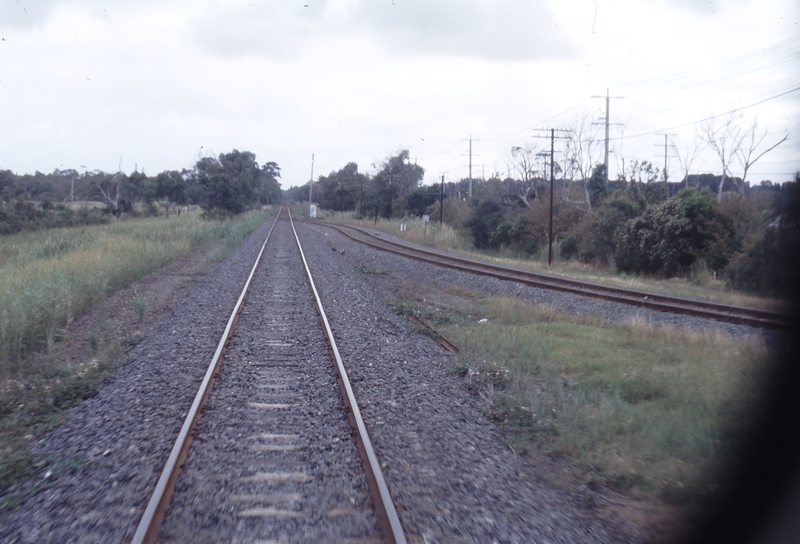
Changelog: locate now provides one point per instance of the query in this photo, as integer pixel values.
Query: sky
(154, 85)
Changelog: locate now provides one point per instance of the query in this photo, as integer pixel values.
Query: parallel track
(653, 301)
(150, 524)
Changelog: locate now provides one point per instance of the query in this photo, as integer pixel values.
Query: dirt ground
(126, 316)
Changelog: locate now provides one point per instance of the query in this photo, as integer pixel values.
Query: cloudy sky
(155, 84)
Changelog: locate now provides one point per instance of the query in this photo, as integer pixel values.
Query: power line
(753, 57)
(505, 135)
(608, 101)
(470, 162)
(712, 116)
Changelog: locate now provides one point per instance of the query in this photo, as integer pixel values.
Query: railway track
(653, 301)
(281, 452)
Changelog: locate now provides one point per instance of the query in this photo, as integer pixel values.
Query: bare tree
(109, 188)
(686, 159)
(725, 139)
(524, 164)
(747, 154)
(581, 155)
(639, 173)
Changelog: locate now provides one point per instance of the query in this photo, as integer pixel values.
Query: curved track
(278, 448)
(653, 301)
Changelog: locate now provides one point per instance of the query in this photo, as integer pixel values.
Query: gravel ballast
(450, 474)
(452, 478)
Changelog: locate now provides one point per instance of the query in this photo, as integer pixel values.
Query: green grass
(639, 409)
(49, 278)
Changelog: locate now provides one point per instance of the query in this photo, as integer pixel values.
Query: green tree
(341, 190)
(770, 260)
(168, 189)
(668, 238)
(484, 222)
(270, 187)
(397, 178)
(594, 240)
(422, 198)
(598, 186)
(234, 182)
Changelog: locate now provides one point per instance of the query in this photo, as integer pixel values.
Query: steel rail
(654, 301)
(149, 525)
(384, 507)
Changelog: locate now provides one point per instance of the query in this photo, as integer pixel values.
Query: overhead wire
(750, 57)
(710, 117)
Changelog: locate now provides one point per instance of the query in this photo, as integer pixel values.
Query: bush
(483, 224)
(657, 242)
(594, 240)
(668, 238)
(770, 259)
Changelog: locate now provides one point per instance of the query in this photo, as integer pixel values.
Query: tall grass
(49, 277)
(639, 408)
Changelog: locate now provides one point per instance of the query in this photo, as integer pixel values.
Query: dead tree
(524, 164)
(686, 160)
(581, 155)
(748, 154)
(725, 139)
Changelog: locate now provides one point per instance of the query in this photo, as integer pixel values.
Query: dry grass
(49, 278)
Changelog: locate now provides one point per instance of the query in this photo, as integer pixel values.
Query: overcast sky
(154, 84)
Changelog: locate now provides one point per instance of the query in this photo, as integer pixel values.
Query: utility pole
(311, 181)
(608, 102)
(391, 193)
(552, 185)
(72, 186)
(666, 175)
(441, 203)
(470, 162)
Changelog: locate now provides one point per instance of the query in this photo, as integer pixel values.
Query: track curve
(643, 299)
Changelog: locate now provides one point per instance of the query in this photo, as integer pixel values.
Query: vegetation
(639, 409)
(229, 184)
(50, 277)
(703, 226)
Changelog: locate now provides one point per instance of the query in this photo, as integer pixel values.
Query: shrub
(770, 259)
(668, 238)
(484, 221)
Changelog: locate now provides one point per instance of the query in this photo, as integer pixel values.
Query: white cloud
(22, 14)
(504, 30)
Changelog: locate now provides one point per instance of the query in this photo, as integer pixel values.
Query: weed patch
(641, 410)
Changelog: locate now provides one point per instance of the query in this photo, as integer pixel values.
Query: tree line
(228, 184)
(703, 225)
